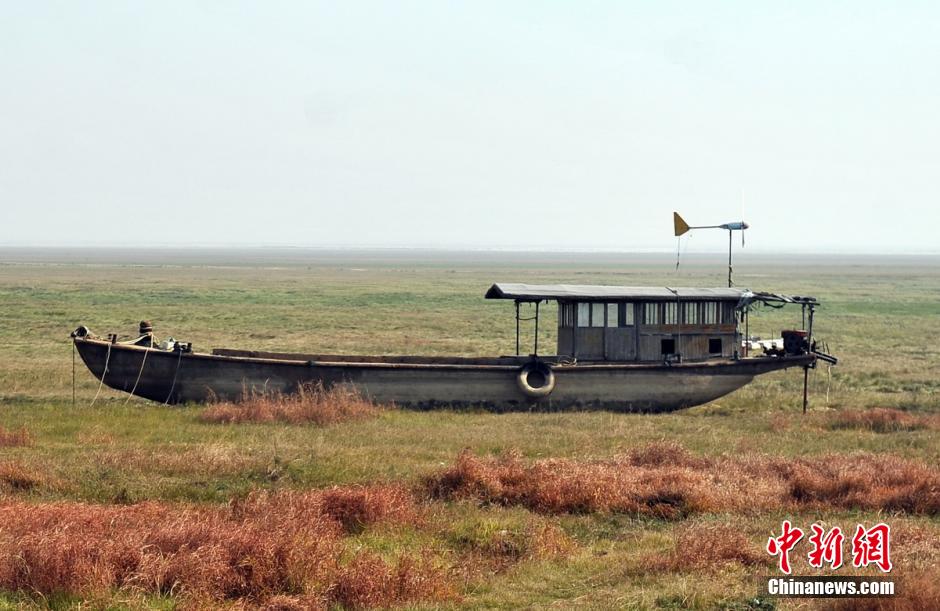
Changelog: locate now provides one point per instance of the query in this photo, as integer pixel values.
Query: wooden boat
(619, 348)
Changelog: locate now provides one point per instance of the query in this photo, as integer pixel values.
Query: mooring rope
(176, 373)
(141, 372)
(107, 359)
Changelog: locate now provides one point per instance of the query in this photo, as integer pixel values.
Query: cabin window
(613, 318)
(667, 346)
(584, 315)
(727, 314)
(670, 313)
(592, 314)
(714, 345)
(710, 313)
(690, 313)
(651, 314)
(626, 314)
(566, 315)
(597, 314)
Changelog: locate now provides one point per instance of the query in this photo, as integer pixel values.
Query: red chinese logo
(826, 549)
(872, 546)
(781, 546)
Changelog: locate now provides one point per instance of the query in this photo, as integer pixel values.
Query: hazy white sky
(513, 124)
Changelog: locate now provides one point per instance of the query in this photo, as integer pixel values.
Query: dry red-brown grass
(14, 477)
(709, 546)
(568, 486)
(667, 482)
(863, 481)
(352, 508)
(10, 438)
(356, 507)
(86, 550)
(882, 420)
(914, 592)
(915, 545)
(268, 545)
(369, 582)
(311, 404)
(664, 454)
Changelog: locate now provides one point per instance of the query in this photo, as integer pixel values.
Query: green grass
(881, 317)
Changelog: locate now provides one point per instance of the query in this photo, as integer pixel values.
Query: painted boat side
(174, 377)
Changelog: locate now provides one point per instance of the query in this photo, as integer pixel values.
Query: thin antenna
(678, 251)
(681, 247)
(681, 227)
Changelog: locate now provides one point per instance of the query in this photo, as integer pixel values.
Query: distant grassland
(880, 316)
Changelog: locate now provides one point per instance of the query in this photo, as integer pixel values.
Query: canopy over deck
(602, 322)
(588, 292)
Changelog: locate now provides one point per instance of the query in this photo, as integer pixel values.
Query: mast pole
(730, 234)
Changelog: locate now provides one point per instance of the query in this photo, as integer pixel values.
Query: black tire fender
(536, 379)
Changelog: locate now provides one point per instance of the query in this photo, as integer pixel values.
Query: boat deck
(512, 361)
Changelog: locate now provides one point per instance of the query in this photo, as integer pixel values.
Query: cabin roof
(587, 292)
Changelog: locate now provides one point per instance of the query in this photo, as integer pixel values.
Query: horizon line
(463, 249)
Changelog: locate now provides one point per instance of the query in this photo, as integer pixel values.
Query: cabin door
(589, 333)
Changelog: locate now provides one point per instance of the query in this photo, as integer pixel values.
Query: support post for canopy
(517, 327)
(536, 349)
(809, 345)
(747, 330)
(809, 330)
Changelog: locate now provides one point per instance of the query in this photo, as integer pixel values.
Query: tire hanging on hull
(536, 380)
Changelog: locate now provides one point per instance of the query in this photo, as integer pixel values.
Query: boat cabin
(611, 323)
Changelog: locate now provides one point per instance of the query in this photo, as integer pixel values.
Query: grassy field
(880, 316)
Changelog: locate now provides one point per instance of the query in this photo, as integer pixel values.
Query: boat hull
(181, 377)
